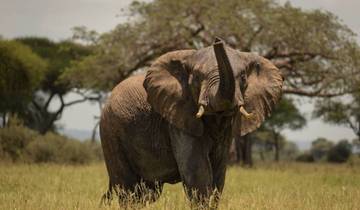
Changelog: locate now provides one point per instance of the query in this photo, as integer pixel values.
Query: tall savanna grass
(280, 186)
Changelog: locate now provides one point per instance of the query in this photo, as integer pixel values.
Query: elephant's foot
(201, 200)
(136, 196)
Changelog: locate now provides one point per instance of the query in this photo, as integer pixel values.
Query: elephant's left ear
(169, 94)
(262, 93)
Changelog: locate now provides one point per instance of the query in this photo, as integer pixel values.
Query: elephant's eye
(257, 67)
(243, 76)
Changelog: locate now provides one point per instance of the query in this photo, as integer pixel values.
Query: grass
(282, 186)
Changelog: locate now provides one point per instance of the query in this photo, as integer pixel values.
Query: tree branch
(316, 93)
(48, 101)
(37, 106)
(250, 42)
(352, 126)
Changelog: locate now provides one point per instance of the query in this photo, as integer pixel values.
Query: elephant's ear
(264, 84)
(167, 87)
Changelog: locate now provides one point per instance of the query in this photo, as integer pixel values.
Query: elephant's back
(126, 109)
(128, 98)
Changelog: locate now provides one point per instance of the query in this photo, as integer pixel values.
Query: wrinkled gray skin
(150, 132)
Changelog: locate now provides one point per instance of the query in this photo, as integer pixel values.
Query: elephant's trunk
(227, 81)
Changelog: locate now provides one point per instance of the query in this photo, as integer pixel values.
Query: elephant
(175, 122)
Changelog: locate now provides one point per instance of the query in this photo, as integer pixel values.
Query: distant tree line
(324, 150)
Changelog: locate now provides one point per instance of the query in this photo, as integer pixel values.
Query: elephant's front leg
(192, 157)
(219, 158)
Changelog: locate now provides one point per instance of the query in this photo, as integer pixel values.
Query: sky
(54, 19)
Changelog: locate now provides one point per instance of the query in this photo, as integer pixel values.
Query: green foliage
(59, 56)
(319, 60)
(341, 111)
(13, 141)
(286, 115)
(305, 157)
(320, 147)
(264, 145)
(340, 153)
(325, 150)
(58, 149)
(20, 144)
(21, 71)
(289, 151)
(80, 33)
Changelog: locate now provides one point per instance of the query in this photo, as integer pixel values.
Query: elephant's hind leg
(121, 176)
(124, 184)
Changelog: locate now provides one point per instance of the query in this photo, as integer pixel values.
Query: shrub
(13, 140)
(340, 153)
(20, 144)
(95, 148)
(45, 148)
(59, 149)
(305, 157)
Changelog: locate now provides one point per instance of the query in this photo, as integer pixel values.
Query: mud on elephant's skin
(175, 123)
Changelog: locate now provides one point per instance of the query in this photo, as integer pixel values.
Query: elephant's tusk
(245, 113)
(200, 112)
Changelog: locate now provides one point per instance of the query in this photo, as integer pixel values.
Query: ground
(283, 186)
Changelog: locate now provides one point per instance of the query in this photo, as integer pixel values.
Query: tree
(290, 150)
(356, 146)
(268, 136)
(261, 143)
(341, 111)
(319, 61)
(320, 148)
(340, 152)
(59, 57)
(241, 150)
(285, 116)
(21, 71)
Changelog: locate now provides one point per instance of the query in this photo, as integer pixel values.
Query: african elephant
(175, 123)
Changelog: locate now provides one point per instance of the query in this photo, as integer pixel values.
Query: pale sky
(55, 18)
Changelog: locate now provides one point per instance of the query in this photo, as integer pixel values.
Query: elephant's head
(184, 86)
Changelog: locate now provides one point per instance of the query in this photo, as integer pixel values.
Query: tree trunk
(277, 146)
(262, 157)
(3, 119)
(243, 150)
(358, 131)
(94, 131)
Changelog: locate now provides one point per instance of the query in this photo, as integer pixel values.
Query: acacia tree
(21, 71)
(315, 51)
(38, 114)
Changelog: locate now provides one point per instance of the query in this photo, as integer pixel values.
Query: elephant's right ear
(167, 87)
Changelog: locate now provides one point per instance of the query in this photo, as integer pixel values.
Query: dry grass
(283, 186)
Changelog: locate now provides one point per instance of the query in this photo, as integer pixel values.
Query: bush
(305, 157)
(45, 148)
(340, 153)
(13, 140)
(59, 149)
(20, 144)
